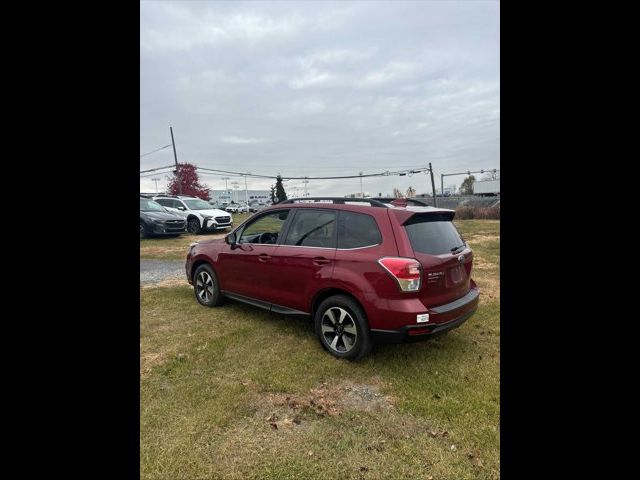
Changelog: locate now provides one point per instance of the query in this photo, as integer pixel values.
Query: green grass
(213, 381)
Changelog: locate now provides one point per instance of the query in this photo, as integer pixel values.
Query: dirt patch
(483, 238)
(287, 410)
(481, 264)
(298, 425)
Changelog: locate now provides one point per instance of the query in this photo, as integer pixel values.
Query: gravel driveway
(154, 271)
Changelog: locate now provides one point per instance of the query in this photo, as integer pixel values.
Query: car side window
(266, 229)
(178, 204)
(356, 230)
(164, 202)
(313, 228)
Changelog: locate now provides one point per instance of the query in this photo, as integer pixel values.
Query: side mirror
(231, 239)
(181, 208)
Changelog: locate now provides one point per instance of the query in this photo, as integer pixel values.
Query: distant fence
(465, 201)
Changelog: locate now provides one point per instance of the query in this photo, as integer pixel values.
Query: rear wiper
(455, 249)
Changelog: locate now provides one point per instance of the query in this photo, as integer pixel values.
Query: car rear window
(356, 230)
(433, 236)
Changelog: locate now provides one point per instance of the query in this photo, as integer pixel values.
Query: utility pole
(235, 186)
(305, 181)
(433, 186)
(442, 183)
(361, 192)
(226, 187)
(156, 180)
(175, 157)
(246, 192)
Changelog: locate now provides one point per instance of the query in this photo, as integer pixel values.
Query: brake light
(406, 271)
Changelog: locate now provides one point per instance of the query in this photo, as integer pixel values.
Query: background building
(237, 196)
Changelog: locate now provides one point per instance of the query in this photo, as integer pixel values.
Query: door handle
(321, 261)
(263, 257)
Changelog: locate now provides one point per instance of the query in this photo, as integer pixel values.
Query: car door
(303, 263)
(246, 268)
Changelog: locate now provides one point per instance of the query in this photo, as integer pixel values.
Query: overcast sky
(321, 88)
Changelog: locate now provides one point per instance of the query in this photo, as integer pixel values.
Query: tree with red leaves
(187, 178)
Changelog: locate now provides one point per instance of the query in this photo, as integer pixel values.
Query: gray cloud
(321, 88)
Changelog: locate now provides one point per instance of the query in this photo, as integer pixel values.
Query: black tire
(143, 231)
(209, 297)
(193, 226)
(352, 341)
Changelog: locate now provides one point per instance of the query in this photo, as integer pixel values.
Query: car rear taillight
(406, 271)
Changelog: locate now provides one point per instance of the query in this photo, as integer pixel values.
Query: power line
(214, 171)
(336, 177)
(154, 169)
(154, 151)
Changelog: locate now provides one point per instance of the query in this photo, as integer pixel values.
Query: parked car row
(176, 214)
(237, 208)
(240, 207)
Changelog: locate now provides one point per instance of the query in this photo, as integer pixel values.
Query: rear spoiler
(409, 215)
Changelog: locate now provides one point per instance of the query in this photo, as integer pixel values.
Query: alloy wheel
(339, 329)
(204, 287)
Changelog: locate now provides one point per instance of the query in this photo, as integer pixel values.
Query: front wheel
(342, 327)
(193, 226)
(205, 286)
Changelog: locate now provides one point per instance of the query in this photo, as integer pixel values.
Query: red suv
(365, 271)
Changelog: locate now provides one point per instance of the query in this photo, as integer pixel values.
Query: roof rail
(412, 201)
(336, 200)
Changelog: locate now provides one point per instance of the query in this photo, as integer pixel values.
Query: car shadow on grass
(449, 345)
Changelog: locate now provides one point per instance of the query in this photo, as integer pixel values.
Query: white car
(237, 208)
(200, 215)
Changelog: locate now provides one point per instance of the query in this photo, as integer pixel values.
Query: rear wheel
(143, 231)
(193, 225)
(342, 327)
(205, 286)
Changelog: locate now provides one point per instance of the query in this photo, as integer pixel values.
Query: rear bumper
(451, 315)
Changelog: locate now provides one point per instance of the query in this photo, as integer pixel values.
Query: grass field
(237, 392)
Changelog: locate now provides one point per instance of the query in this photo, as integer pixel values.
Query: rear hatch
(445, 258)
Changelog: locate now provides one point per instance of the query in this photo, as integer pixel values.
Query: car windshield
(197, 204)
(147, 205)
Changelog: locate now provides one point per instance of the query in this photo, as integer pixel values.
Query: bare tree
(491, 175)
(467, 185)
(397, 193)
(411, 192)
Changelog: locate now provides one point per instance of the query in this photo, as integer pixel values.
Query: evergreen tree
(280, 193)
